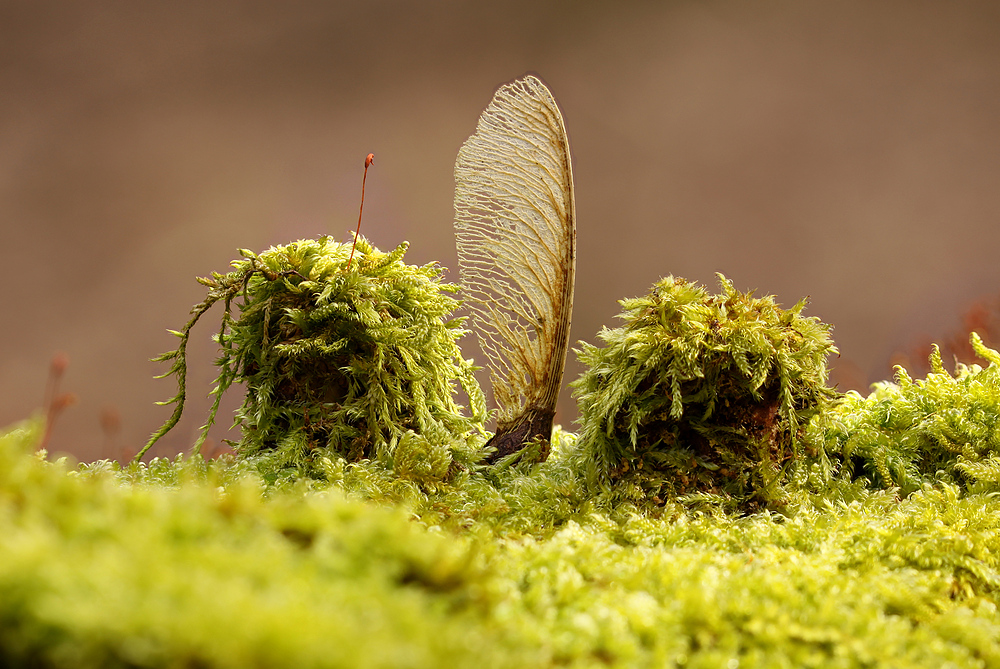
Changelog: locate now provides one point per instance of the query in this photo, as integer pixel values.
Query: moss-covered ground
(187, 563)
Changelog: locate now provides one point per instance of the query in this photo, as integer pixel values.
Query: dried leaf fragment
(515, 228)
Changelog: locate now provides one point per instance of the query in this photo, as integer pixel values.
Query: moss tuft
(702, 394)
(337, 362)
(914, 432)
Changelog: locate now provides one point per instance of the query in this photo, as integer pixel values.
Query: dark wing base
(535, 424)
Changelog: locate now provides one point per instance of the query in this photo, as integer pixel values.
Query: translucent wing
(515, 227)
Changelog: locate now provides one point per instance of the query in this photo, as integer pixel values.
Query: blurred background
(849, 151)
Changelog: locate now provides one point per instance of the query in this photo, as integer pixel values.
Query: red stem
(369, 160)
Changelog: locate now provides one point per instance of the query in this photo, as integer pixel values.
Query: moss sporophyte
(353, 363)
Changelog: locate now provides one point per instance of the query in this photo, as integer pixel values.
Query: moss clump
(351, 362)
(908, 433)
(702, 394)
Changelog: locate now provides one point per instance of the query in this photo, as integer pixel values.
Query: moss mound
(702, 394)
(355, 363)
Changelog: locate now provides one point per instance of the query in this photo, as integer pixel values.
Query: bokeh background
(848, 150)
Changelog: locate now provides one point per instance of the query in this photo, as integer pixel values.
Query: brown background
(845, 150)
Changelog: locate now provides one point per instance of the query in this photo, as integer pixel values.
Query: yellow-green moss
(912, 432)
(339, 362)
(702, 394)
(188, 563)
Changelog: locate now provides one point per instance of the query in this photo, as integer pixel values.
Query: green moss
(188, 564)
(702, 394)
(908, 433)
(354, 363)
(193, 563)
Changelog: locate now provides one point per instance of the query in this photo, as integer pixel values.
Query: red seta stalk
(369, 161)
(55, 402)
